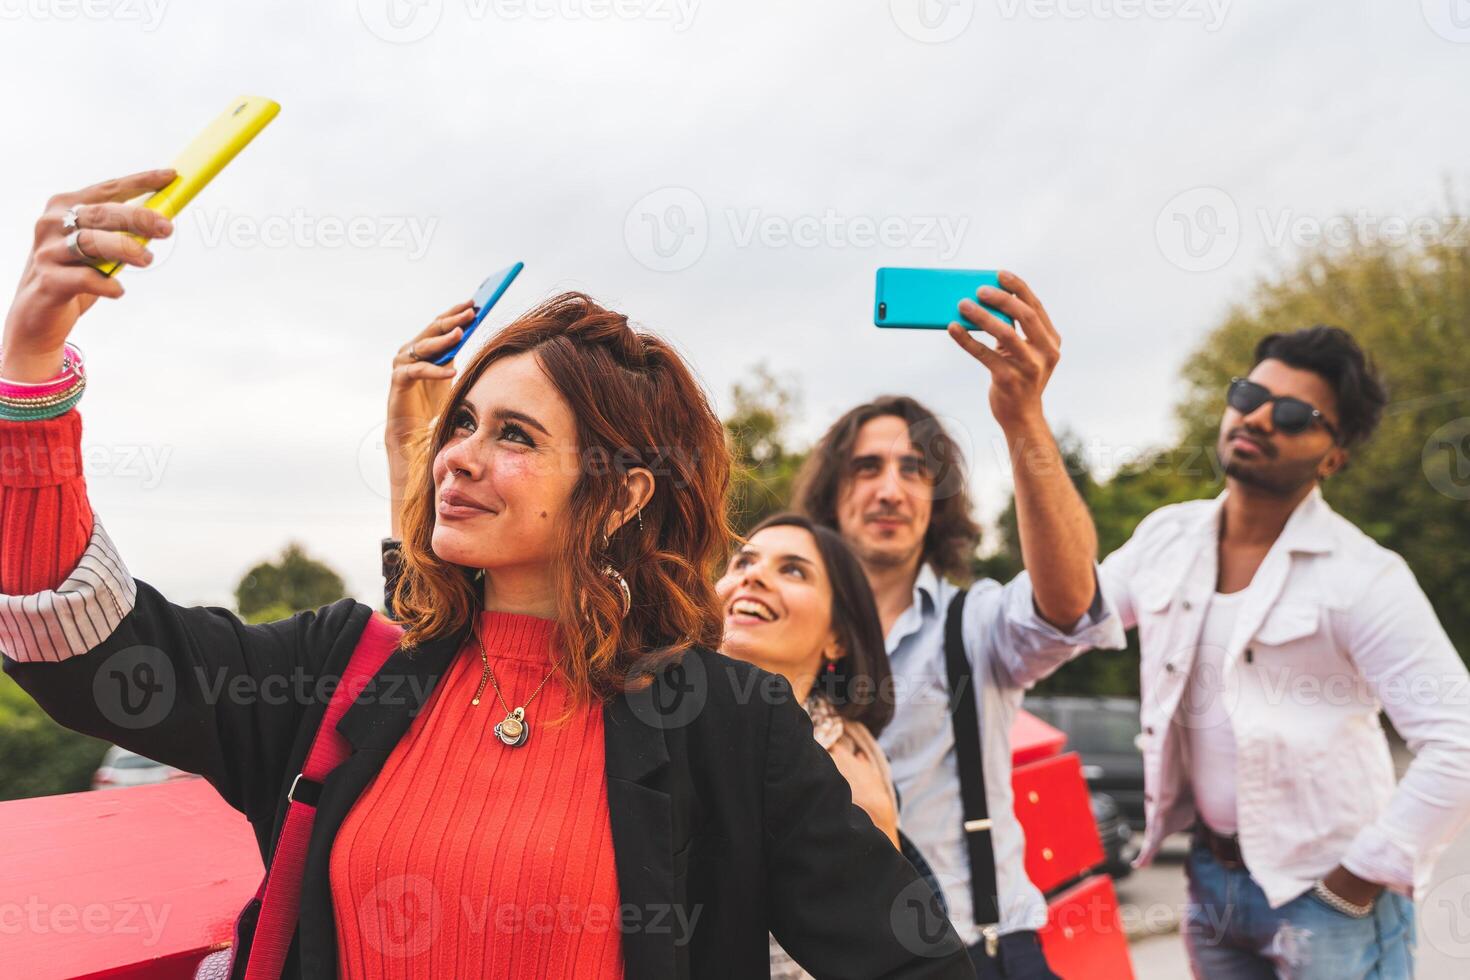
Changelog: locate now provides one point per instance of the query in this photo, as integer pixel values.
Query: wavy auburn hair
(636, 403)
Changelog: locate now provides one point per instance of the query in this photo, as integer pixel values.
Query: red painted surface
(1055, 810)
(1083, 937)
(137, 884)
(1032, 739)
(134, 882)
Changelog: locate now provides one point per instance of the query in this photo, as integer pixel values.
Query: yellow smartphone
(205, 157)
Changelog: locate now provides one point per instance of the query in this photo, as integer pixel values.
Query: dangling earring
(613, 574)
(831, 667)
(479, 575)
(617, 577)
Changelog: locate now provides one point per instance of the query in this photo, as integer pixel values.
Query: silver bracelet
(1341, 904)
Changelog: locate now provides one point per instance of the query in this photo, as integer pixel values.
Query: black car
(1104, 732)
(1120, 844)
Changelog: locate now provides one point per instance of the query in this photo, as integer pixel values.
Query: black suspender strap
(969, 757)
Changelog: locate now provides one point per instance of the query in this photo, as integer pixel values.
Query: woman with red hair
(553, 774)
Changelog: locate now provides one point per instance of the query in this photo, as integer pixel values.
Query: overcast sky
(727, 172)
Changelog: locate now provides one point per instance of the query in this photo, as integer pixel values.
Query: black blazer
(725, 812)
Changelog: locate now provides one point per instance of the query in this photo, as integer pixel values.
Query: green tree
(757, 431)
(37, 756)
(275, 590)
(1408, 487)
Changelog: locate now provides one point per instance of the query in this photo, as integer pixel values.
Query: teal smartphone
(929, 299)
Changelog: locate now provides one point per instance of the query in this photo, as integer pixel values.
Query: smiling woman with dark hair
(553, 774)
(796, 603)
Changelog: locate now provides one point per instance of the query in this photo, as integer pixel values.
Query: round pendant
(514, 730)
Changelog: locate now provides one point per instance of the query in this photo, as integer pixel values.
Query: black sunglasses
(1290, 415)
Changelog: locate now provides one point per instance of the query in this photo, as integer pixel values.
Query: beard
(1274, 476)
(889, 557)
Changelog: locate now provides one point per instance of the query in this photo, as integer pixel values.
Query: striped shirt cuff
(77, 615)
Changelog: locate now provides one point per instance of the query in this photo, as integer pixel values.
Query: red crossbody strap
(282, 885)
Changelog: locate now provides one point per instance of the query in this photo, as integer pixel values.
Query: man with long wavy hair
(892, 481)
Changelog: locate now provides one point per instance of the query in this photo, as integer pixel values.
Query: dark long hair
(950, 540)
(861, 684)
(636, 403)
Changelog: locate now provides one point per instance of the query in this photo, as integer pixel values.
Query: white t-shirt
(1205, 713)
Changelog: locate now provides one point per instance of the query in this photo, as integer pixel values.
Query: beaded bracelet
(31, 401)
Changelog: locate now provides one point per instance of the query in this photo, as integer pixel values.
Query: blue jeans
(1231, 932)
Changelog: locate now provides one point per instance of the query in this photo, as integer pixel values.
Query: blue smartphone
(929, 299)
(485, 297)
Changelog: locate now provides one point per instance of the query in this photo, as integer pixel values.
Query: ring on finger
(74, 246)
(69, 220)
(413, 355)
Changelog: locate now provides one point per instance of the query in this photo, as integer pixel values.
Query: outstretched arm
(1058, 540)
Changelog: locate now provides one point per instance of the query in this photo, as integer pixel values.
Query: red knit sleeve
(45, 518)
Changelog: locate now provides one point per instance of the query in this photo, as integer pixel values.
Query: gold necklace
(515, 729)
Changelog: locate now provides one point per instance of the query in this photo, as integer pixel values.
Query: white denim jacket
(1333, 628)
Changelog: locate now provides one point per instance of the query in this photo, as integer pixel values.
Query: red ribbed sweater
(464, 857)
(469, 858)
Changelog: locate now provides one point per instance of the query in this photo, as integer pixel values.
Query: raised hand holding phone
(202, 160)
(59, 283)
(417, 392)
(1026, 350)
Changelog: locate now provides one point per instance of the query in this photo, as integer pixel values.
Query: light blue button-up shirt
(1010, 648)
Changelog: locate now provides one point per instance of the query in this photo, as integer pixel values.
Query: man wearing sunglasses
(1272, 632)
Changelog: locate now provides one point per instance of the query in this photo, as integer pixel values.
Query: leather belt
(1226, 850)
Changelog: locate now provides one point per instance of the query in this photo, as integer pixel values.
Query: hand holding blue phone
(484, 300)
(929, 299)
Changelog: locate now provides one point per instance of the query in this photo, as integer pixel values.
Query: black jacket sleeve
(197, 688)
(843, 901)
